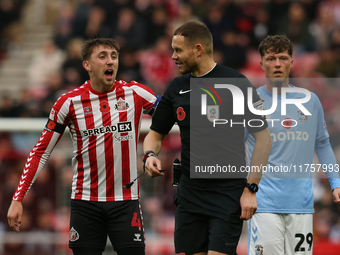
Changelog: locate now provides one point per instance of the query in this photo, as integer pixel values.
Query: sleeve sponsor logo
(325, 128)
(52, 114)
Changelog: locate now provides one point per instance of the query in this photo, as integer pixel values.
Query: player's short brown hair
(196, 32)
(92, 43)
(276, 44)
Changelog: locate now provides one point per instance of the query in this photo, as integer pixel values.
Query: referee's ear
(199, 49)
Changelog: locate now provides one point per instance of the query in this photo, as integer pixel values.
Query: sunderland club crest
(121, 105)
(73, 235)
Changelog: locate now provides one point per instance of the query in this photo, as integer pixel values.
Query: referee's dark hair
(196, 32)
(91, 43)
(276, 44)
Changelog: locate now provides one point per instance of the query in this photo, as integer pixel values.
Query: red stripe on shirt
(79, 157)
(138, 113)
(89, 119)
(125, 151)
(109, 153)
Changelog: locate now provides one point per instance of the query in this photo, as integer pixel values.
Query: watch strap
(149, 154)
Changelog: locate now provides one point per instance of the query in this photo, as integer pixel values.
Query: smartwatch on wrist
(253, 187)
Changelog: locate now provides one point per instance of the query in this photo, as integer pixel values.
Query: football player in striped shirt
(104, 117)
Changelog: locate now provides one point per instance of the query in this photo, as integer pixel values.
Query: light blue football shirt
(288, 187)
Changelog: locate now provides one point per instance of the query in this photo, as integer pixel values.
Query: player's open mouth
(109, 74)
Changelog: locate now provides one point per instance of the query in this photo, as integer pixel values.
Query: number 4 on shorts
(135, 222)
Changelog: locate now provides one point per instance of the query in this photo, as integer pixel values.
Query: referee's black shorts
(91, 223)
(207, 220)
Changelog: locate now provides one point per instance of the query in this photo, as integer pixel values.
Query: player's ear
(87, 65)
(261, 65)
(199, 49)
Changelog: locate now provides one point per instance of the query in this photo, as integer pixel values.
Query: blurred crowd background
(36, 70)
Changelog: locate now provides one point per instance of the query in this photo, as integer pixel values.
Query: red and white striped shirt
(104, 128)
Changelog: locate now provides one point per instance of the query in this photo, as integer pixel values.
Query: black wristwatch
(253, 187)
(149, 154)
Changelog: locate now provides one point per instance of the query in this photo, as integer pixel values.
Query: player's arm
(147, 97)
(34, 164)
(325, 153)
(263, 144)
(152, 146)
(153, 108)
(329, 166)
(163, 120)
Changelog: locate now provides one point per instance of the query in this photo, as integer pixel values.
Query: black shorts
(207, 220)
(92, 222)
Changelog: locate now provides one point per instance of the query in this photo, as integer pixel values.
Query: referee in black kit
(210, 212)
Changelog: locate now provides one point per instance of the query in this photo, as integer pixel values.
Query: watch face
(253, 187)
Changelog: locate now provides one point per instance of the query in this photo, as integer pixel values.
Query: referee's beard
(189, 67)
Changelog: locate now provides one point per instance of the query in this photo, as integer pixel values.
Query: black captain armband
(152, 110)
(55, 126)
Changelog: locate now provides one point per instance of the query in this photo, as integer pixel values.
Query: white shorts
(280, 234)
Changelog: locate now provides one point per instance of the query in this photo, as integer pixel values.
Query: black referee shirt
(175, 107)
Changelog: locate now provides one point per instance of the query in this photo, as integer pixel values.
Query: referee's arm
(263, 145)
(152, 144)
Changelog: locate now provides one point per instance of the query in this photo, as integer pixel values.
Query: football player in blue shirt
(283, 222)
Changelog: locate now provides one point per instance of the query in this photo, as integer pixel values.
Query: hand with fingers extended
(14, 215)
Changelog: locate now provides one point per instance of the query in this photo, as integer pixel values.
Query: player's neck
(270, 85)
(205, 66)
(100, 87)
